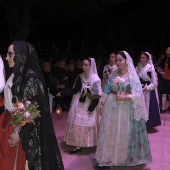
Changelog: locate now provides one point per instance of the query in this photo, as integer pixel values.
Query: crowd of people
(110, 106)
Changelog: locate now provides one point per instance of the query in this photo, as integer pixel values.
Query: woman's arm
(71, 91)
(2, 78)
(154, 80)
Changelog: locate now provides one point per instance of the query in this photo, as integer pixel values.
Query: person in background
(100, 68)
(61, 71)
(123, 139)
(82, 124)
(78, 65)
(51, 80)
(2, 85)
(36, 142)
(149, 80)
(72, 74)
(163, 68)
(108, 69)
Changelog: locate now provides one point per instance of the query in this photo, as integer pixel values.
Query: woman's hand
(62, 86)
(14, 140)
(65, 78)
(58, 94)
(163, 74)
(120, 97)
(144, 88)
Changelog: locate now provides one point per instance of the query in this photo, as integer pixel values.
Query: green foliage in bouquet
(24, 112)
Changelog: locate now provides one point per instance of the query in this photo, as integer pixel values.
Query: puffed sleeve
(109, 86)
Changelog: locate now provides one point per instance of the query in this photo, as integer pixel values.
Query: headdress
(26, 63)
(93, 70)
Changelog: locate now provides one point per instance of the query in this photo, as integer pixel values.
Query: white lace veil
(138, 101)
(93, 70)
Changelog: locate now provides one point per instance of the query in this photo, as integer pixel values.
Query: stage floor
(159, 139)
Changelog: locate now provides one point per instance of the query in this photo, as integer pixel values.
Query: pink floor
(159, 139)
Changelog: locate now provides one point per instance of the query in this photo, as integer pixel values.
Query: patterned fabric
(80, 136)
(38, 140)
(123, 140)
(82, 126)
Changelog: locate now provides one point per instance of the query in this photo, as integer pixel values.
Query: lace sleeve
(30, 133)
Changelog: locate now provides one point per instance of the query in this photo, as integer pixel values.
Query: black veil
(38, 140)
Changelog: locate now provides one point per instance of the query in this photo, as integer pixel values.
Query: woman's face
(121, 62)
(10, 56)
(86, 66)
(143, 59)
(112, 58)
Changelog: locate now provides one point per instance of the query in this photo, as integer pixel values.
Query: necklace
(123, 73)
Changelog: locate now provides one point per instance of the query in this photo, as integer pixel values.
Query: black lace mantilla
(38, 140)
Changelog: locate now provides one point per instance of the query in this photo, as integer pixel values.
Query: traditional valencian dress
(82, 126)
(38, 139)
(11, 158)
(149, 79)
(123, 137)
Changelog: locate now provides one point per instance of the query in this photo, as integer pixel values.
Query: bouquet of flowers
(24, 112)
(119, 81)
(107, 72)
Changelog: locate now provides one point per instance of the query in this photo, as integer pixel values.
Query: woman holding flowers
(32, 138)
(123, 137)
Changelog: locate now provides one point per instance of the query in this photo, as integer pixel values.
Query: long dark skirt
(154, 112)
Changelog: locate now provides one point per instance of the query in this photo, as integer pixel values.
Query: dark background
(86, 27)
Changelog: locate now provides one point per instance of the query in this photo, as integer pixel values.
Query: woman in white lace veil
(123, 137)
(149, 81)
(82, 125)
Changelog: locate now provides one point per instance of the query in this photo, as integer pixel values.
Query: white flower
(27, 114)
(21, 106)
(28, 103)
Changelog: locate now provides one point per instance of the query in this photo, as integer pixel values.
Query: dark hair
(88, 59)
(112, 53)
(70, 61)
(122, 54)
(147, 56)
(45, 60)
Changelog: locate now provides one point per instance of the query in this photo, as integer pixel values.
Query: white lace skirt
(82, 127)
(122, 139)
